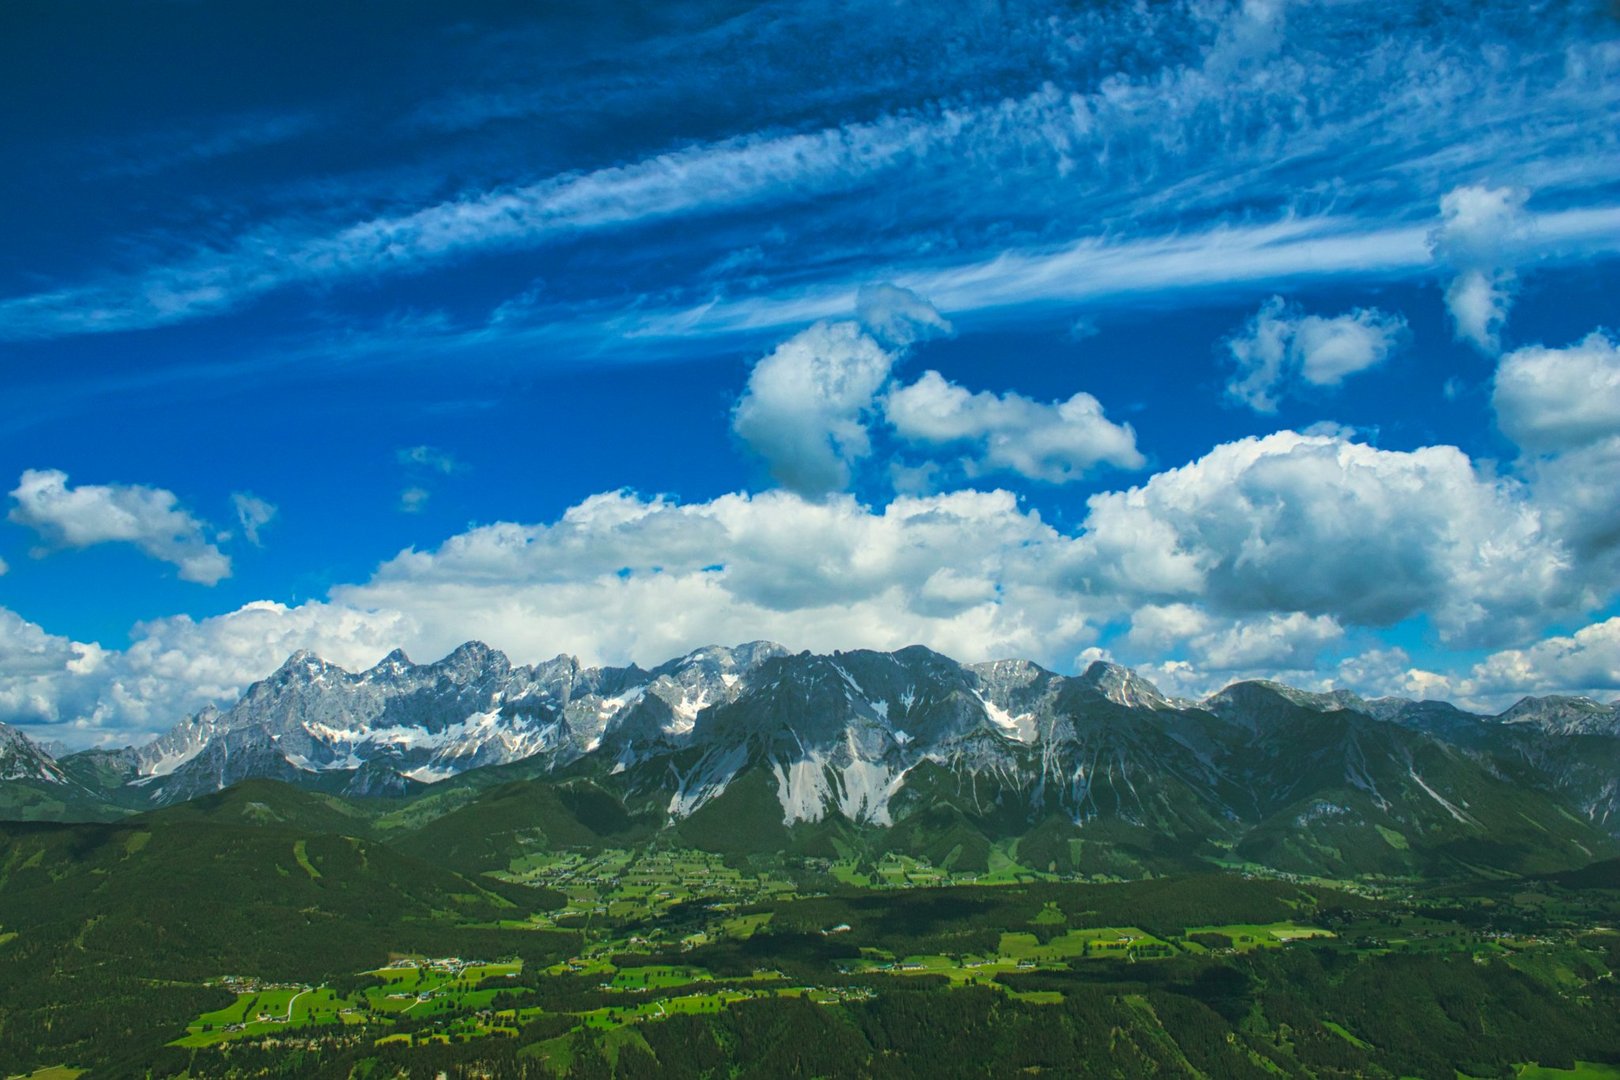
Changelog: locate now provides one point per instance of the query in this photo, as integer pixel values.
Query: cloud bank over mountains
(1265, 555)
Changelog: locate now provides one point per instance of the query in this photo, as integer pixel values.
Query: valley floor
(673, 962)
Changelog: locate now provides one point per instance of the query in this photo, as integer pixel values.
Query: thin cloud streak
(1195, 139)
(1098, 269)
(695, 180)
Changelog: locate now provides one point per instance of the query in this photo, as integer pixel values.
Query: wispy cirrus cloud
(1291, 250)
(1242, 115)
(690, 181)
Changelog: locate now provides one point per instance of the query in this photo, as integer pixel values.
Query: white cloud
(809, 404)
(253, 513)
(149, 518)
(1325, 526)
(1388, 672)
(1055, 442)
(86, 694)
(1332, 349)
(806, 406)
(1482, 234)
(177, 664)
(1562, 407)
(1281, 347)
(619, 577)
(1587, 661)
(1551, 400)
(1577, 494)
(424, 465)
(1272, 643)
(1370, 673)
(1257, 559)
(1479, 301)
(702, 177)
(42, 676)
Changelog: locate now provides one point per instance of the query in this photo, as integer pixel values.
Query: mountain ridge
(786, 745)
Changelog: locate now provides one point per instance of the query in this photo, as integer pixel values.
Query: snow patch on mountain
(1021, 727)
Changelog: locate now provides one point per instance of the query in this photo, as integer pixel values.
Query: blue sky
(1220, 338)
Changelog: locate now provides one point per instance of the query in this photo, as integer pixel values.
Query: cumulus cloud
(617, 578)
(87, 694)
(806, 406)
(1262, 557)
(1281, 347)
(809, 406)
(149, 518)
(1270, 643)
(1587, 660)
(37, 670)
(1581, 502)
(414, 499)
(620, 577)
(1482, 232)
(1055, 442)
(252, 513)
(1370, 673)
(1551, 400)
(1562, 407)
(179, 663)
(1325, 526)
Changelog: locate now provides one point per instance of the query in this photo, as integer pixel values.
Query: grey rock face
(23, 759)
(868, 736)
(426, 722)
(1565, 715)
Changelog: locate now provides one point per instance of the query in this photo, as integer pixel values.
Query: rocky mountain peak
(474, 658)
(396, 661)
(1252, 694)
(23, 759)
(1564, 715)
(1123, 686)
(844, 727)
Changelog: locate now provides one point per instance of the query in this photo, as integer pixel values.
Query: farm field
(670, 938)
(424, 988)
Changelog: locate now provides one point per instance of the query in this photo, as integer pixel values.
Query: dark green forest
(649, 961)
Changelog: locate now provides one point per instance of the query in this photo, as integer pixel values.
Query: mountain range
(754, 748)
